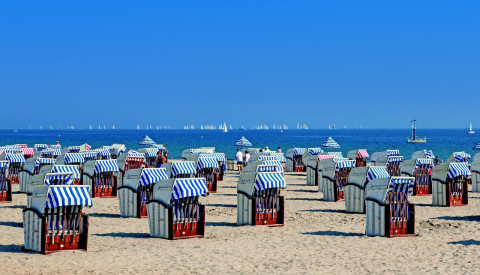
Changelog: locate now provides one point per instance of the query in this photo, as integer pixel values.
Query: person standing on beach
(160, 159)
(247, 157)
(279, 150)
(239, 158)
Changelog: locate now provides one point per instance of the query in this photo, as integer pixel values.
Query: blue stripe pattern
(279, 156)
(152, 175)
(181, 168)
(263, 157)
(45, 161)
(108, 165)
(74, 158)
(47, 153)
(461, 157)
(401, 184)
(476, 147)
(392, 153)
(67, 169)
(336, 154)
(269, 180)
(61, 195)
(377, 173)
(273, 162)
(184, 188)
(394, 159)
(105, 153)
(268, 168)
(219, 156)
(58, 179)
(151, 152)
(424, 163)
(345, 164)
(330, 143)
(90, 155)
(458, 169)
(206, 161)
(74, 149)
(4, 163)
(136, 155)
(299, 151)
(40, 147)
(429, 154)
(15, 158)
(55, 146)
(314, 151)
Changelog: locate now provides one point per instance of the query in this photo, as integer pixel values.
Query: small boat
(414, 138)
(281, 131)
(471, 129)
(225, 129)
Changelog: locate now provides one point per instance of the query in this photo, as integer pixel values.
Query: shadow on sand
(334, 233)
(103, 215)
(231, 224)
(124, 235)
(12, 224)
(460, 218)
(324, 210)
(222, 205)
(466, 242)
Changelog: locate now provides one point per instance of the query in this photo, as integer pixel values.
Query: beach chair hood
(165, 191)
(52, 196)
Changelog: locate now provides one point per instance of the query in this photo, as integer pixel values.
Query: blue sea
(442, 142)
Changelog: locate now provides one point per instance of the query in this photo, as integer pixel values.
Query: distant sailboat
(99, 128)
(225, 129)
(344, 126)
(138, 126)
(90, 126)
(113, 127)
(471, 129)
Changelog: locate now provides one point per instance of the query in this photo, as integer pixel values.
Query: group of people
(242, 160)
(161, 158)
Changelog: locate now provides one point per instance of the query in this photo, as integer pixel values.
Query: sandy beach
(318, 237)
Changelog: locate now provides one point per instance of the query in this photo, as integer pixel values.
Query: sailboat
(225, 129)
(90, 126)
(113, 127)
(414, 138)
(471, 129)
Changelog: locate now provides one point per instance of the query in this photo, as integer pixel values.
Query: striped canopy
(159, 146)
(476, 147)
(152, 175)
(74, 158)
(243, 142)
(105, 152)
(135, 155)
(40, 147)
(58, 179)
(391, 153)
(27, 151)
(151, 152)
(183, 168)
(429, 154)
(15, 158)
(67, 169)
(220, 157)
(461, 156)
(345, 163)
(299, 151)
(54, 146)
(394, 159)
(273, 162)
(184, 188)
(266, 157)
(207, 161)
(456, 169)
(21, 145)
(108, 165)
(424, 163)
(146, 141)
(74, 149)
(362, 153)
(401, 184)
(269, 180)
(336, 154)
(90, 155)
(47, 153)
(330, 143)
(60, 195)
(44, 161)
(377, 172)
(314, 151)
(320, 157)
(269, 168)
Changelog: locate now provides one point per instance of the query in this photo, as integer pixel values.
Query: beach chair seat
(136, 190)
(388, 211)
(450, 184)
(103, 178)
(207, 167)
(55, 220)
(336, 175)
(258, 199)
(175, 211)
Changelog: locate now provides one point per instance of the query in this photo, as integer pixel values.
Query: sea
(443, 142)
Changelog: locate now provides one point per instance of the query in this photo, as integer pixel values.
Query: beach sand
(318, 237)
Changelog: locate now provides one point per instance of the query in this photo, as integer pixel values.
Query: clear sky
(370, 63)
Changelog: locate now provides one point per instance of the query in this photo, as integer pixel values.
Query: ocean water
(442, 142)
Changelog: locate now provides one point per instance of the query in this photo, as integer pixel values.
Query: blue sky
(370, 63)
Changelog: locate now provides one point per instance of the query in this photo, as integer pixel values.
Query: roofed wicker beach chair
(103, 177)
(184, 169)
(258, 198)
(47, 178)
(175, 212)
(354, 190)
(16, 162)
(207, 167)
(421, 170)
(360, 156)
(294, 160)
(335, 175)
(388, 211)
(450, 184)
(5, 184)
(323, 160)
(55, 220)
(136, 190)
(475, 169)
